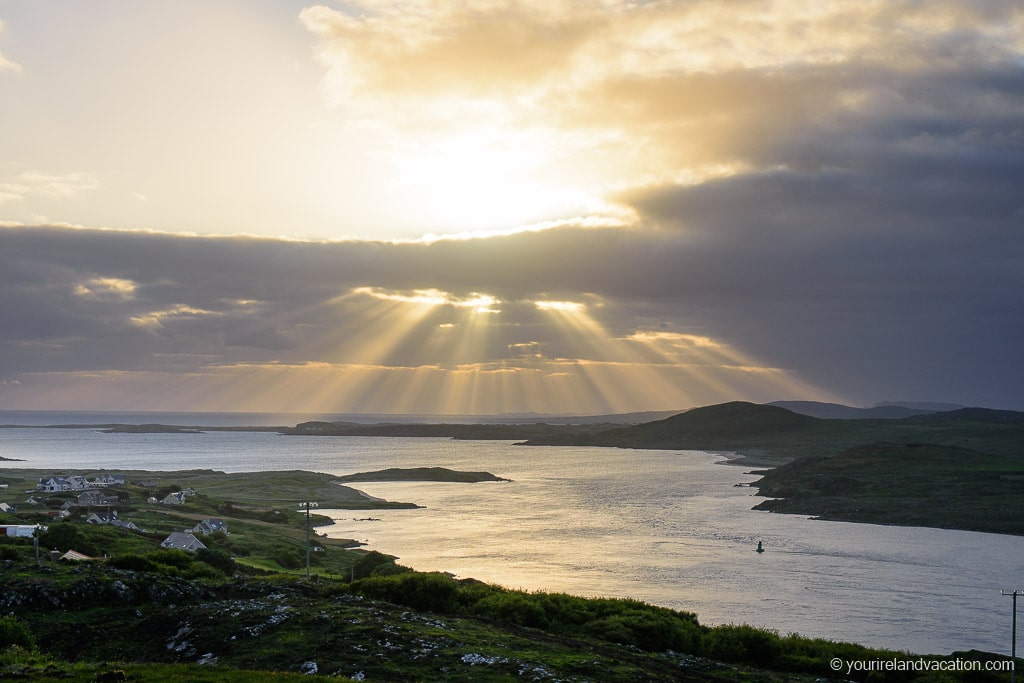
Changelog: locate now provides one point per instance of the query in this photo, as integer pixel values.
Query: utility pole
(1013, 636)
(308, 504)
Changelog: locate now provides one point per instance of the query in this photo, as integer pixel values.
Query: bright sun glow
(484, 180)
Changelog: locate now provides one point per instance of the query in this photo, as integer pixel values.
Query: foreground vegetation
(172, 621)
(242, 609)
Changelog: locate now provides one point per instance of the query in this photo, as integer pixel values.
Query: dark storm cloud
(932, 310)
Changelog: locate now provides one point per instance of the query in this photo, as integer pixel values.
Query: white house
(177, 498)
(108, 480)
(21, 530)
(55, 484)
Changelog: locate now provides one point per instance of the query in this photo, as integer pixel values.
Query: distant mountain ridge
(775, 434)
(838, 411)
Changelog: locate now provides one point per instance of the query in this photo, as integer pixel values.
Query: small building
(91, 498)
(75, 556)
(108, 480)
(122, 524)
(96, 518)
(211, 526)
(182, 541)
(52, 484)
(4, 507)
(21, 530)
(177, 498)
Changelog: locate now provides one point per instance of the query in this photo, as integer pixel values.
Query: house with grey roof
(179, 540)
(211, 526)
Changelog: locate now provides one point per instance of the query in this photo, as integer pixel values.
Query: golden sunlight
(485, 180)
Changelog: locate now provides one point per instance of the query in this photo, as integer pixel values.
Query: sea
(672, 528)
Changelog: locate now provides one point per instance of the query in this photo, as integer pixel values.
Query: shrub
(373, 563)
(647, 630)
(217, 559)
(200, 570)
(432, 592)
(134, 563)
(179, 559)
(743, 643)
(66, 536)
(13, 632)
(516, 608)
(289, 558)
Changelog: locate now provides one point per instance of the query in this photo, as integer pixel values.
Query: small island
(437, 474)
(149, 429)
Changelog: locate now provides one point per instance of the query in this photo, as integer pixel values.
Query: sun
(485, 179)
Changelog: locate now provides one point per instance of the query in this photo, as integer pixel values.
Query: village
(96, 501)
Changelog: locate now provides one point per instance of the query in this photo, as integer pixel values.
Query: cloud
(16, 187)
(5, 63)
(859, 311)
(623, 95)
(824, 198)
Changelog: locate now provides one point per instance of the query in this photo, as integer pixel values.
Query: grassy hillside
(82, 623)
(906, 484)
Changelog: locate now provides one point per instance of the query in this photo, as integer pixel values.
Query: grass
(86, 621)
(905, 484)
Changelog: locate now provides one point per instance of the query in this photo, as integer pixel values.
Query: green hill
(904, 484)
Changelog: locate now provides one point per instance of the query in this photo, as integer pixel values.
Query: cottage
(122, 524)
(108, 480)
(177, 498)
(211, 526)
(4, 507)
(51, 484)
(96, 518)
(77, 483)
(75, 556)
(182, 541)
(93, 498)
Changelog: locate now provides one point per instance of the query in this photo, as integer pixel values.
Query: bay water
(672, 528)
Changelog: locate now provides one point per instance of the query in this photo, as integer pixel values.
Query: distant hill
(722, 421)
(979, 415)
(770, 434)
(926, 406)
(838, 411)
(734, 426)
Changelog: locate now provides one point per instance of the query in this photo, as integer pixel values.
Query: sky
(488, 206)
